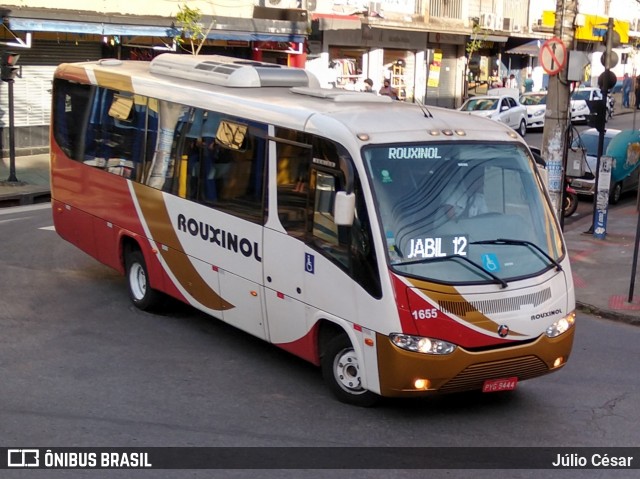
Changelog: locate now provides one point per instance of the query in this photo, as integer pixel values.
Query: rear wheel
(341, 372)
(141, 294)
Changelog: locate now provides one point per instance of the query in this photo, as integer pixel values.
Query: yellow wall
(591, 23)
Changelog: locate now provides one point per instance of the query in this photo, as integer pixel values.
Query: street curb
(32, 195)
(608, 314)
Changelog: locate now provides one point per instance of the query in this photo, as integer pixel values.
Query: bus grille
(493, 306)
(473, 377)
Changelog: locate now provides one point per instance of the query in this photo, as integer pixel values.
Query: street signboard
(553, 56)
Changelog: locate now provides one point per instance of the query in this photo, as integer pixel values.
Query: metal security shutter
(445, 94)
(32, 92)
(32, 97)
(48, 52)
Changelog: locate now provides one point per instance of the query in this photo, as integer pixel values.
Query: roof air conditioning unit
(374, 7)
(498, 23)
(230, 71)
(507, 24)
(281, 3)
(487, 21)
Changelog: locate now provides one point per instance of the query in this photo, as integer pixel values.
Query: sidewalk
(32, 173)
(601, 268)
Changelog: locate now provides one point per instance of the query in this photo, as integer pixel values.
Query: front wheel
(141, 294)
(522, 129)
(570, 204)
(341, 372)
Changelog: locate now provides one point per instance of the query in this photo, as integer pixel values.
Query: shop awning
(40, 25)
(494, 38)
(531, 48)
(226, 28)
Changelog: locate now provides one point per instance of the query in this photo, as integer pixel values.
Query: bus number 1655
(427, 313)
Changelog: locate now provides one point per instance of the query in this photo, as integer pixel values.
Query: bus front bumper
(406, 373)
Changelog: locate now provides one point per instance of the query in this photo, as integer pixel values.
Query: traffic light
(9, 68)
(598, 117)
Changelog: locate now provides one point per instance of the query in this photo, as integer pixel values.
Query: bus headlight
(561, 326)
(420, 344)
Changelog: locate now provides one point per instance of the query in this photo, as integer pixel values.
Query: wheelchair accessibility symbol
(309, 263)
(490, 262)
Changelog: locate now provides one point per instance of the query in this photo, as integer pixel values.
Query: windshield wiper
(507, 241)
(495, 278)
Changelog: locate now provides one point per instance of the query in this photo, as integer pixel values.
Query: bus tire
(341, 372)
(141, 294)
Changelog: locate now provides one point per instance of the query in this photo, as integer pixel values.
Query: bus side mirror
(344, 210)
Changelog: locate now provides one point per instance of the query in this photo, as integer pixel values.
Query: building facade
(433, 51)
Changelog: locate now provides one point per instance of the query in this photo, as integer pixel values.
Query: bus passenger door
(284, 246)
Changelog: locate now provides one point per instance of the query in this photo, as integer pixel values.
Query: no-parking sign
(553, 56)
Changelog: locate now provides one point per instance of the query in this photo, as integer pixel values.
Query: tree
(190, 29)
(473, 45)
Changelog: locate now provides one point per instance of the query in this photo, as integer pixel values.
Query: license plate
(503, 384)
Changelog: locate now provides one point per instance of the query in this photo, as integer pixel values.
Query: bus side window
(232, 180)
(292, 178)
(164, 163)
(330, 238)
(71, 107)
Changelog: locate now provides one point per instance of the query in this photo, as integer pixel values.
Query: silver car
(585, 185)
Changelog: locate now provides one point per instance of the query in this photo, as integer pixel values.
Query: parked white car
(579, 106)
(536, 104)
(502, 108)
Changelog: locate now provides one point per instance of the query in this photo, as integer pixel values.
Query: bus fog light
(421, 344)
(421, 384)
(561, 326)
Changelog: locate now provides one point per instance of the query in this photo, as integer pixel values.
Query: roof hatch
(231, 72)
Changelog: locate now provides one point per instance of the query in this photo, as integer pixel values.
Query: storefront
(346, 57)
(446, 63)
(45, 38)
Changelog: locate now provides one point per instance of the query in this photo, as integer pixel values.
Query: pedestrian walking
(626, 90)
(637, 92)
(528, 84)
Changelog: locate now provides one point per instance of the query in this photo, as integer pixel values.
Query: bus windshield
(464, 212)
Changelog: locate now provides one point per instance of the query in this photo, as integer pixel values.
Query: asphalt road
(80, 366)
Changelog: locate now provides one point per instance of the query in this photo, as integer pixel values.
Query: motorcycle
(611, 104)
(569, 199)
(569, 196)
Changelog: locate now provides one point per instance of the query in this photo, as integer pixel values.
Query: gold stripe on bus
(73, 73)
(113, 80)
(158, 222)
(447, 293)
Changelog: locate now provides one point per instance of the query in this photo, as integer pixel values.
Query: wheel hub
(347, 371)
(138, 281)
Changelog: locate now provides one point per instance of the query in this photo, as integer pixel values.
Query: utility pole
(598, 108)
(557, 116)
